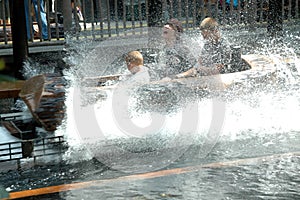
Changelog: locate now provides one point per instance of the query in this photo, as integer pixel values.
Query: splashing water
(32, 68)
(288, 65)
(263, 112)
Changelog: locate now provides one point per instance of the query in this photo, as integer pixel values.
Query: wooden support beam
(275, 20)
(155, 13)
(154, 22)
(19, 35)
(67, 13)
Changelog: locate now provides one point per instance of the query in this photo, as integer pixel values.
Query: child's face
(209, 34)
(206, 34)
(132, 68)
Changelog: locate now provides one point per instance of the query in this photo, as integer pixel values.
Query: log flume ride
(44, 94)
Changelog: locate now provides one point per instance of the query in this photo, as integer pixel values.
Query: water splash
(263, 113)
(259, 112)
(32, 68)
(287, 64)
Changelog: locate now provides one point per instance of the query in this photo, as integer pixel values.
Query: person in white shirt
(129, 85)
(135, 64)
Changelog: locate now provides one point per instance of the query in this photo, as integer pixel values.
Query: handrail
(116, 17)
(39, 147)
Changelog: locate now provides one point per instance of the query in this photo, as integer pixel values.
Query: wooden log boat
(44, 96)
(164, 95)
(260, 69)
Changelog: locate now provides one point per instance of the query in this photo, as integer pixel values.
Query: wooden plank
(261, 65)
(44, 95)
(10, 89)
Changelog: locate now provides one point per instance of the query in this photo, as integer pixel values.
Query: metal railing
(22, 148)
(110, 18)
(35, 148)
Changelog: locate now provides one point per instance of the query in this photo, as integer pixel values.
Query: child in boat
(139, 74)
(175, 55)
(215, 54)
(135, 64)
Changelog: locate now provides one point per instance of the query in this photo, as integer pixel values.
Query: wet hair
(209, 24)
(175, 24)
(134, 57)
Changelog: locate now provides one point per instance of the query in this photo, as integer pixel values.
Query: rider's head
(209, 28)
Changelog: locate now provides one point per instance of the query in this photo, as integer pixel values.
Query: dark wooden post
(155, 13)
(154, 22)
(19, 36)
(252, 14)
(67, 14)
(275, 20)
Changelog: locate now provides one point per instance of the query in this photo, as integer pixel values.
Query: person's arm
(202, 70)
(206, 71)
(198, 69)
(188, 73)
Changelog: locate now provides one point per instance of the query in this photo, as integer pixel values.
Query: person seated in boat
(139, 74)
(175, 55)
(215, 55)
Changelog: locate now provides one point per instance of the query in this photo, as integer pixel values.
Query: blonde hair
(209, 24)
(134, 57)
